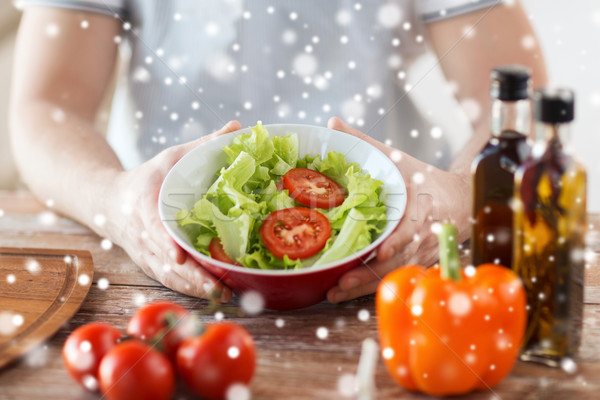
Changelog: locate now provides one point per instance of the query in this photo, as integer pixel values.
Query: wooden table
(293, 363)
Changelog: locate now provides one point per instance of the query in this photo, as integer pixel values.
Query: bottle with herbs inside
(493, 169)
(550, 221)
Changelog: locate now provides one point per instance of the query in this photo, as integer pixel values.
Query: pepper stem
(449, 258)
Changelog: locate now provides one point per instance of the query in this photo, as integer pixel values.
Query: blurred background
(569, 36)
(9, 21)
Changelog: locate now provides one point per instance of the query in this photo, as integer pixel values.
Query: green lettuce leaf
(258, 144)
(361, 190)
(335, 167)
(357, 232)
(239, 171)
(261, 258)
(285, 154)
(233, 230)
(286, 147)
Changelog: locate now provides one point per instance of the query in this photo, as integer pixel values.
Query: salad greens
(245, 192)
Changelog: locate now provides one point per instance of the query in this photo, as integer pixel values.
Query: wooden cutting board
(40, 289)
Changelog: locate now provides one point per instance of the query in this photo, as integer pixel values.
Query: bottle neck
(556, 135)
(511, 116)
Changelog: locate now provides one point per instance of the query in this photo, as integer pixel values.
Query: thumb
(231, 126)
(339, 125)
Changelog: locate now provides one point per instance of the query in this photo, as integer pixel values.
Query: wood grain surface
(293, 363)
(42, 288)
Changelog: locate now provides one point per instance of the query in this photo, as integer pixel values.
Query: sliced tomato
(312, 188)
(297, 232)
(280, 185)
(218, 252)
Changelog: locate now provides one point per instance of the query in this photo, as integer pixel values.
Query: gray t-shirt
(193, 65)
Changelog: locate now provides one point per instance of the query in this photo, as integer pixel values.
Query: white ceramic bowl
(190, 178)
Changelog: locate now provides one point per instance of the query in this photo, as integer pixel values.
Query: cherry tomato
(312, 188)
(151, 320)
(297, 232)
(84, 348)
(132, 370)
(218, 253)
(209, 364)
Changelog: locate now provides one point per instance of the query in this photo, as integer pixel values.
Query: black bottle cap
(554, 105)
(510, 82)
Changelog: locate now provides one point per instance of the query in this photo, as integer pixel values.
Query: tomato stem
(198, 327)
(449, 258)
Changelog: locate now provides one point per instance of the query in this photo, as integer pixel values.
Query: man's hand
(433, 196)
(136, 225)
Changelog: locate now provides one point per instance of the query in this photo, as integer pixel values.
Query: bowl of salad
(282, 210)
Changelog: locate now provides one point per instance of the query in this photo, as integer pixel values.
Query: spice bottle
(550, 220)
(493, 169)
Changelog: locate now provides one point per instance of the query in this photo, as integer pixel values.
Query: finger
(193, 272)
(165, 275)
(404, 255)
(146, 261)
(401, 238)
(149, 244)
(427, 254)
(177, 253)
(364, 280)
(159, 235)
(231, 126)
(168, 251)
(143, 243)
(194, 281)
(158, 265)
(154, 235)
(171, 277)
(360, 279)
(174, 154)
(336, 295)
(339, 125)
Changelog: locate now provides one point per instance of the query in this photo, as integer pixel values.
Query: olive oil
(550, 219)
(493, 169)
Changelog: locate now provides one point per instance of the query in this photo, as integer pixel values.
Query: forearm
(468, 60)
(58, 85)
(61, 157)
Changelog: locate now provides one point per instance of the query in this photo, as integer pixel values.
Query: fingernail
(339, 297)
(349, 283)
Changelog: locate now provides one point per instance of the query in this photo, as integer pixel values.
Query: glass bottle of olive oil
(550, 220)
(493, 169)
